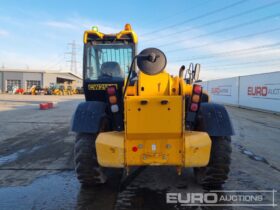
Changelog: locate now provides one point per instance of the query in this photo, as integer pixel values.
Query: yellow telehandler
(137, 114)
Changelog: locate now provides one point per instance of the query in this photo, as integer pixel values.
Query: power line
(197, 17)
(73, 61)
(221, 61)
(262, 65)
(181, 12)
(220, 20)
(225, 40)
(55, 60)
(243, 63)
(225, 54)
(229, 60)
(57, 63)
(231, 52)
(225, 29)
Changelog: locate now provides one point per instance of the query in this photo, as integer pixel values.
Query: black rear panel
(96, 90)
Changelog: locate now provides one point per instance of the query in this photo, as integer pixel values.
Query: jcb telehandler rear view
(144, 116)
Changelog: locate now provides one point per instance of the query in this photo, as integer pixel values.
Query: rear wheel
(214, 175)
(86, 166)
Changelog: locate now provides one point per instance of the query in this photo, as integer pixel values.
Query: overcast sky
(229, 38)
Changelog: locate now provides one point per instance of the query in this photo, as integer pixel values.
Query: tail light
(111, 90)
(194, 107)
(195, 99)
(197, 89)
(113, 100)
(134, 149)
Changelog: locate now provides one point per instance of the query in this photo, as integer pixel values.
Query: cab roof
(125, 35)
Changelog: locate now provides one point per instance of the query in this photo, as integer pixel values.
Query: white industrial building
(27, 78)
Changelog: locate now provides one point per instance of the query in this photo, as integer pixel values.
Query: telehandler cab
(145, 117)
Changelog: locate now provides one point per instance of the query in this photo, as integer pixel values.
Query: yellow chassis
(154, 119)
(114, 151)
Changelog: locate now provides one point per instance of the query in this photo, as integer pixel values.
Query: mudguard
(214, 119)
(88, 116)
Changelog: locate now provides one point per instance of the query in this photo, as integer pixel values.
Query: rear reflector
(194, 107)
(134, 149)
(113, 99)
(111, 90)
(114, 108)
(195, 98)
(197, 89)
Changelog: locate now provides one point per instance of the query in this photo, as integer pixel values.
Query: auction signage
(236, 198)
(261, 91)
(224, 90)
(265, 91)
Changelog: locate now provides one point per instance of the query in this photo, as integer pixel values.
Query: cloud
(86, 24)
(80, 24)
(4, 32)
(12, 21)
(213, 53)
(192, 39)
(60, 24)
(205, 74)
(73, 27)
(24, 61)
(58, 32)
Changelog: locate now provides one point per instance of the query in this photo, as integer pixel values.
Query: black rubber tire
(88, 171)
(215, 174)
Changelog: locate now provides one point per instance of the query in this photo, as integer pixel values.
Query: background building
(27, 78)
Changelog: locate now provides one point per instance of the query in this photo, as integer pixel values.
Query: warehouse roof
(41, 71)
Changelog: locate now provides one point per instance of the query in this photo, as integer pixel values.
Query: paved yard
(36, 161)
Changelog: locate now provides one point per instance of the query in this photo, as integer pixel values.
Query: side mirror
(196, 72)
(151, 61)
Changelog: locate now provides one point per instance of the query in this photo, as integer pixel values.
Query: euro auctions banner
(261, 91)
(224, 90)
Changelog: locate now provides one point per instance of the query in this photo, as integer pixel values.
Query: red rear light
(194, 107)
(197, 89)
(134, 149)
(111, 90)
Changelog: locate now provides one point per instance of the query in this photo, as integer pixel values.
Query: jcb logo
(100, 86)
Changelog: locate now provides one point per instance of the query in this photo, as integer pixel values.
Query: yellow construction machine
(144, 116)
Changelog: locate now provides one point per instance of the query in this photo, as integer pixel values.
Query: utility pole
(73, 53)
